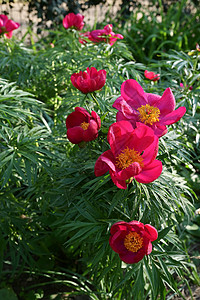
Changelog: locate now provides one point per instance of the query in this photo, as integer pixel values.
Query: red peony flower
(132, 155)
(72, 20)
(151, 75)
(104, 35)
(7, 26)
(81, 126)
(132, 241)
(134, 105)
(89, 81)
(197, 47)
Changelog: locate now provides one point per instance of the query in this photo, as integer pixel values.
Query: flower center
(148, 114)
(84, 125)
(127, 157)
(133, 241)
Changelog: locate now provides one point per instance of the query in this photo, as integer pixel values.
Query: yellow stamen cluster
(127, 157)
(148, 114)
(133, 242)
(84, 125)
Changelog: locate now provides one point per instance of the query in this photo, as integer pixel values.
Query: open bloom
(89, 81)
(151, 75)
(132, 155)
(81, 126)
(74, 21)
(132, 241)
(7, 26)
(153, 110)
(104, 35)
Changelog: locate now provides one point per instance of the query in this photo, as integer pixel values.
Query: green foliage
(153, 30)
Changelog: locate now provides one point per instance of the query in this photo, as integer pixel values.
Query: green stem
(95, 100)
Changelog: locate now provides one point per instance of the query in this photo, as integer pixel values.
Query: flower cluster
(141, 119)
(105, 35)
(7, 26)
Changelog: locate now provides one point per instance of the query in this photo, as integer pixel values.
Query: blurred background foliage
(55, 217)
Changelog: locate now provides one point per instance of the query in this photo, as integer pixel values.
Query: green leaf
(7, 294)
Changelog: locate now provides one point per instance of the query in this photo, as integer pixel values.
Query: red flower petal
(131, 171)
(121, 184)
(75, 135)
(152, 99)
(75, 119)
(173, 117)
(11, 25)
(167, 102)
(142, 137)
(118, 136)
(159, 130)
(105, 162)
(131, 89)
(150, 172)
(132, 258)
(121, 225)
(150, 232)
(116, 241)
(92, 132)
(150, 152)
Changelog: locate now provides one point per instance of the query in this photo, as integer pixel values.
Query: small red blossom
(104, 35)
(151, 75)
(182, 86)
(7, 26)
(132, 241)
(132, 155)
(89, 81)
(81, 126)
(134, 105)
(73, 21)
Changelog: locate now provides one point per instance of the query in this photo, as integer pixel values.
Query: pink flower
(72, 20)
(7, 26)
(153, 110)
(81, 126)
(104, 35)
(132, 241)
(132, 155)
(89, 81)
(151, 75)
